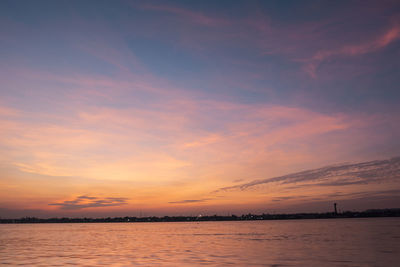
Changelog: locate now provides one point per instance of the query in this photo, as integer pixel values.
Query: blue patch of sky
(165, 58)
(44, 35)
(49, 54)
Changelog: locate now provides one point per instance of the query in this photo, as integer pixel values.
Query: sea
(320, 242)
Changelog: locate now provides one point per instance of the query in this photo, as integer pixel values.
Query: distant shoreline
(375, 213)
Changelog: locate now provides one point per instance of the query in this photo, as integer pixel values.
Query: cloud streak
(391, 35)
(82, 202)
(338, 175)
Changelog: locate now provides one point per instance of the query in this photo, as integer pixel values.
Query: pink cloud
(379, 42)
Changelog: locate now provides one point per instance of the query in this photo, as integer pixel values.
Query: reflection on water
(334, 242)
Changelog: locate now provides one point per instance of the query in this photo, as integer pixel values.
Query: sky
(142, 108)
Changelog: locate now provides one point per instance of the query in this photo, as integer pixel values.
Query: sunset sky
(139, 108)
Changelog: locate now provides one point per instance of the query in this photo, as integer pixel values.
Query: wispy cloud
(339, 195)
(86, 197)
(338, 175)
(379, 42)
(391, 192)
(82, 202)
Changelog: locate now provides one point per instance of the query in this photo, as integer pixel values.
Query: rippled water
(333, 242)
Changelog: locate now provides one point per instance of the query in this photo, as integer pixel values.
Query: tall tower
(334, 205)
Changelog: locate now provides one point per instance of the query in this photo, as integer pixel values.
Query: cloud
(337, 175)
(391, 192)
(86, 197)
(189, 201)
(379, 42)
(82, 202)
(340, 196)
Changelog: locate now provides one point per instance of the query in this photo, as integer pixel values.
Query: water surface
(325, 242)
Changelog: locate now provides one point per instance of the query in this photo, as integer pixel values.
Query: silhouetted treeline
(346, 214)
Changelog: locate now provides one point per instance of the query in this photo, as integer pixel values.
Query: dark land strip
(374, 213)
